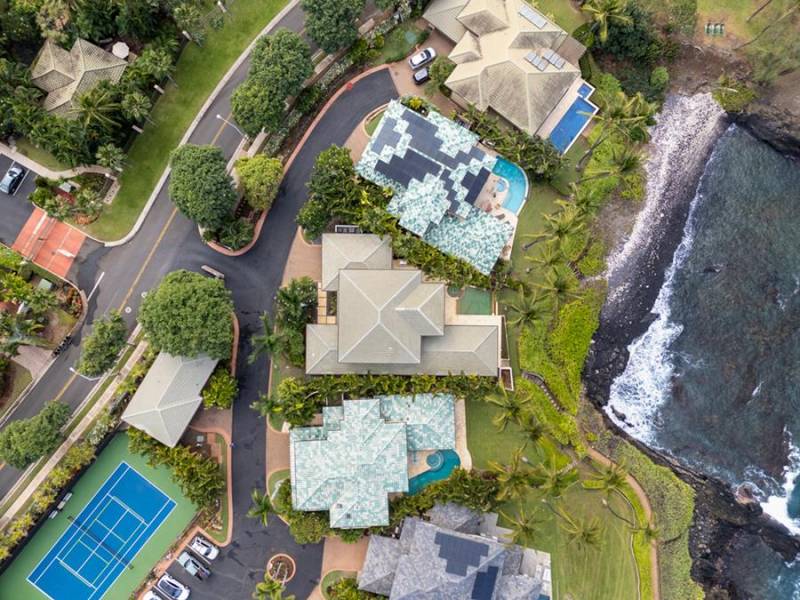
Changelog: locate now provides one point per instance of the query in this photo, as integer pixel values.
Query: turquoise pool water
(571, 124)
(517, 184)
(441, 463)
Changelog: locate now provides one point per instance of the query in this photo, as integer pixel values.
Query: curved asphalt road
(168, 241)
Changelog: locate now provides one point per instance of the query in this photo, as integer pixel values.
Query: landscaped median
(198, 71)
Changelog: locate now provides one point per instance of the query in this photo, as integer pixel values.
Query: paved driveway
(14, 210)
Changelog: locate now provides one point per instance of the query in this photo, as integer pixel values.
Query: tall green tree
(524, 526)
(200, 186)
(560, 286)
(332, 23)
(136, 106)
(101, 347)
(188, 315)
(25, 440)
(528, 309)
(514, 478)
(282, 62)
(261, 507)
(512, 408)
(332, 188)
(602, 13)
(98, 109)
(261, 177)
(111, 157)
(269, 589)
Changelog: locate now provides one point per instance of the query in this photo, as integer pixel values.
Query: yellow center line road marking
(146, 262)
(148, 259)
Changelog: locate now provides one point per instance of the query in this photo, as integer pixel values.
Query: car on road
(172, 588)
(193, 566)
(422, 58)
(422, 76)
(203, 548)
(12, 180)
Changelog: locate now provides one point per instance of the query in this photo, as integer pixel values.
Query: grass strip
(196, 74)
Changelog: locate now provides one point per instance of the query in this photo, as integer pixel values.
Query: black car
(422, 76)
(12, 180)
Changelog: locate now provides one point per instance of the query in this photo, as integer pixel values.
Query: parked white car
(202, 547)
(172, 588)
(151, 595)
(422, 58)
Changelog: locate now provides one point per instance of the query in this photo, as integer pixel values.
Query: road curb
(200, 114)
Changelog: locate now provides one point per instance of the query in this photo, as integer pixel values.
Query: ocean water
(715, 379)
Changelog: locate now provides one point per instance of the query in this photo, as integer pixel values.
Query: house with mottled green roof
(359, 455)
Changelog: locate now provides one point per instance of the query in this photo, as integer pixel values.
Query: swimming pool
(572, 123)
(517, 184)
(441, 463)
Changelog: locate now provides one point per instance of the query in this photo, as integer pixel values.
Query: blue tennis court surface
(103, 539)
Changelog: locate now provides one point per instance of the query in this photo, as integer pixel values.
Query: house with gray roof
(66, 75)
(513, 60)
(169, 396)
(393, 320)
(432, 562)
(359, 455)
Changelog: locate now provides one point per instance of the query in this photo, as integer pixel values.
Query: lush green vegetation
(197, 72)
(25, 440)
(101, 347)
(733, 95)
(221, 389)
(200, 185)
(280, 63)
(200, 478)
(188, 315)
(297, 400)
(342, 585)
(397, 44)
(261, 177)
(295, 307)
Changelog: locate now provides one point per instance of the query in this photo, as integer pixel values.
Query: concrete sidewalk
(32, 165)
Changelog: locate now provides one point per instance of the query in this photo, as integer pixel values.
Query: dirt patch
(697, 68)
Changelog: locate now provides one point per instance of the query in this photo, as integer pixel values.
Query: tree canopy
(200, 186)
(25, 440)
(189, 314)
(100, 349)
(261, 177)
(332, 23)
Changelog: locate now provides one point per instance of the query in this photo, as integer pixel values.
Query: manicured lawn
(13, 582)
(734, 14)
(602, 573)
(372, 124)
(564, 13)
(570, 173)
(399, 43)
(331, 578)
(17, 379)
(275, 479)
(197, 73)
(43, 157)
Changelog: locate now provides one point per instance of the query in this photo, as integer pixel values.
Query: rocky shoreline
(724, 521)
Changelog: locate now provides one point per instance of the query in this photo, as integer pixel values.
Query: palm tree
(532, 428)
(96, 109)
(136, 107)
(560, 285)
(265, 342)
(269, 589)
(110, 156)
(583, 533)
(528, 310)
(610, 480)
(261, 508)
(624, 161)
(552, 480)
(512, 408)
(514, 478)
(586, 199)
(603, 13)
(562, 224)
(523, 526)
(650, 532)
(16, 330)
(550, 255)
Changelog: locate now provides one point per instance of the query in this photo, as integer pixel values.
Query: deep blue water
(716, 379)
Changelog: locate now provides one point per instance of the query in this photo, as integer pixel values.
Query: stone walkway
(32, 165)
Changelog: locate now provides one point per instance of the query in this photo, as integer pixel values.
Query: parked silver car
(193, 566)
(203, 548)
(172, 588)
(12, 180)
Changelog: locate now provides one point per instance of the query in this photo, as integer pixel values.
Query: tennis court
(102, 541)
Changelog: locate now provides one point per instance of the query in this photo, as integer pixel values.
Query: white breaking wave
(686, 127)
(777, 506)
